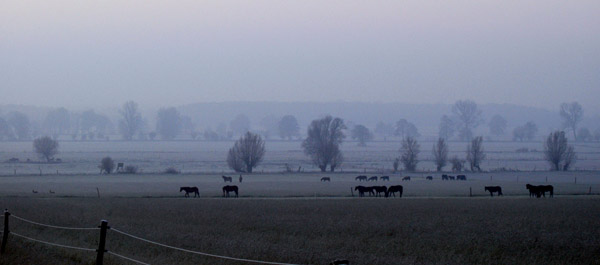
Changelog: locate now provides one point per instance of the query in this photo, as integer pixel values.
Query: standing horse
(379, 190)
(461, 177)
(189, 190)
(539, 191)
(493, 189)
(444, 177)
(323, 179)
(429, 178)
(227, 189)
(225, 178)
(361, 190)
(385, 178)
(361, 178)
(407, 178)
(373, 178)
(393, 189)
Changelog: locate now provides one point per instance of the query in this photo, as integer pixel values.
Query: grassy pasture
(509, 230)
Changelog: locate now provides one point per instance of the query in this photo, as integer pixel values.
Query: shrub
(107, 165)
(130, 170)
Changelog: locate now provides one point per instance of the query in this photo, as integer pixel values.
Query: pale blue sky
(101, 53)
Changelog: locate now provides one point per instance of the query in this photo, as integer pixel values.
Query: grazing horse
(373, 178)
(539, 191)
(361, 190)
(444, 177)
(393, 189)
(385, 178)
(227, 189)
(361, 178)
(429, 178)
(451, 177)
(189, 190)
(379, 190)
(493, 189)
(461, 177)
(323, 179)
(225, 178)
(407, 178)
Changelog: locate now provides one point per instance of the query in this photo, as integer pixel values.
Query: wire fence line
(198, 252)
(52, 244)
(127, 258)
(54, 226)
(129, 235)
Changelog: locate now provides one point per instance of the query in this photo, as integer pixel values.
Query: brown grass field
(481, 230)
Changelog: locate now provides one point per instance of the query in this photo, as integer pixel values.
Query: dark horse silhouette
(385, 178)
(225, 178)
(373, 178)
(461, 177)
(362, 190)
(393, 189)
(227, 189)
(361, 178)
(407, 178)
(189, 190)
(380, 190)
(444, 177)
(429, 178)
(539, 191)
(493, 189)
(326, 179)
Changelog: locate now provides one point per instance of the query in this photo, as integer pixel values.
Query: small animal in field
(385, 178)
(461, 177)
(451, 177)
(493, 189)
(361, 178)
(406, 178)
(539, 191)
(380, 190)
(51, 192)
(34, 191)
(323, 179)
(226, 179)
(227, 189)
(444, 177)
(373, 178)
(429, 178)
(241, 178)
(340, 262)
(189, 190)
(393, 189)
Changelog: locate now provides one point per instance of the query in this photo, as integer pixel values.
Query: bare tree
(475, 153)
(337, 160)
(46, 147)
(168, 123)
(525, 132)
(571, 114)
(558, 152)
(440, 153)
(410, 153)
(362, 134)
(406, 129)
(107, 164)
(446, 129)
(457, 164)
(249, 150)
(497, 125)
(131, 120)
(468, 116)
(322, 144)
(288, 127)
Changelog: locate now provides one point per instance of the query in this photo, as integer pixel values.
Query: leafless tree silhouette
(475, 153)
(246, 153)
(131, 120)
(322, 144)
(558, 152)
(440, 153)
(571, 114)
(410, 153)
(469, 117)
(107, 164)
(446, 127)
(362, 134)
(45, 147)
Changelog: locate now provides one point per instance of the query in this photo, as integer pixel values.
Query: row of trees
(325, 136)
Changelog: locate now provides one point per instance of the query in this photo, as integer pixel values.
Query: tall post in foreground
(470, 192)
(5, 233)
(101, 245)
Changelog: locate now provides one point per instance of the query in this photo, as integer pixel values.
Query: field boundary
(101, 245)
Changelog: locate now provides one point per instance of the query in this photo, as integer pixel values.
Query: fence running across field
(101, 246)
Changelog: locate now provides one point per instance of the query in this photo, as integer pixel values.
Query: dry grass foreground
(517, 230)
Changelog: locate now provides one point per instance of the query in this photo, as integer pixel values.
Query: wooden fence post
(6, 231)
(101, 245)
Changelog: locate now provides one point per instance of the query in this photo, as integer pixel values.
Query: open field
(209, 157)
(510, 230)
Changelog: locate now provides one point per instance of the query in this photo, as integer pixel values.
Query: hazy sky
(159, 53)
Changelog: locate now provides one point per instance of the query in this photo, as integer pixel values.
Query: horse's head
(181, 189)
(528, 186)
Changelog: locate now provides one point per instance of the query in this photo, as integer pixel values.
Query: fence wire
(52, 244)
(126, 258)
(198, 252)
(54, 226)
